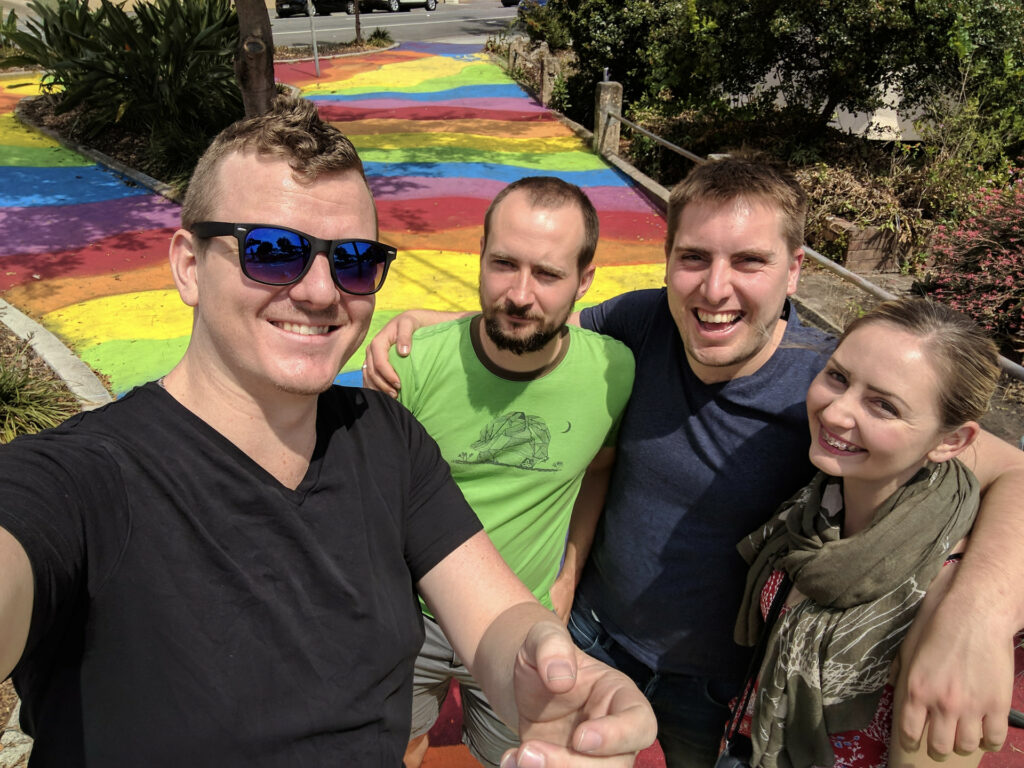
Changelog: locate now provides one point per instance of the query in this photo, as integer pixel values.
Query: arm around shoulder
(958, 676)
(16, 594)
(378, 372)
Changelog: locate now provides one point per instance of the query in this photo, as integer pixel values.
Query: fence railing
(608, 116)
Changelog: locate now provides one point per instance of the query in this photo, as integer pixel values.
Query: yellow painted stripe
(447, 280)
(146, 315)
(431, 279)
(14, 134)
(392, 77)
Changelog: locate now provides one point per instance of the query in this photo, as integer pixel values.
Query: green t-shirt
(518, 448)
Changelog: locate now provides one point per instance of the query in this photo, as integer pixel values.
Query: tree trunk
(825, 116)
(254, 60)
(359, 30)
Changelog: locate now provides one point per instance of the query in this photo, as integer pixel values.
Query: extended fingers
(377, 370)
(540, 754)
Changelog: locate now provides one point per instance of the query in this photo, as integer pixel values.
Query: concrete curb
(79, 377)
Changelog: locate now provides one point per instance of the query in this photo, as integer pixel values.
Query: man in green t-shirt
(525, 410)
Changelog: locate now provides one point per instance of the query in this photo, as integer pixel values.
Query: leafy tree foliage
(812, 56)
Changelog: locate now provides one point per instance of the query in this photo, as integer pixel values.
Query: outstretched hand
(574, 710)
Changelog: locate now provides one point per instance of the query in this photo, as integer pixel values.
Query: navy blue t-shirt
(698, 466)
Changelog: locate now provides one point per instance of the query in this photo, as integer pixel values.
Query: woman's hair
(965, 358)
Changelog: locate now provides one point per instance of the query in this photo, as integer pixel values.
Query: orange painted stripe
(40, 297)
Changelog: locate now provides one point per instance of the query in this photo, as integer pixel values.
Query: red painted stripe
(117, 253)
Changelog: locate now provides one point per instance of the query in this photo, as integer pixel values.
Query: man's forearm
(989, 577)
(586, 513)
(993, 566)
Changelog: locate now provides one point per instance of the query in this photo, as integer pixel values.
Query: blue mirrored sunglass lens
(359, 265)
(275, 256)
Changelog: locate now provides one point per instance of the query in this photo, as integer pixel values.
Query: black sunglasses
(280, 256)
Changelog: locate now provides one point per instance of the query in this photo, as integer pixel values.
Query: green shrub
(979, 264)
(543, 23)
(380, 38)
(166, 69)
(7, 26)
(29, 404)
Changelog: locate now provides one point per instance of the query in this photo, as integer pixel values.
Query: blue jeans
(691, 711)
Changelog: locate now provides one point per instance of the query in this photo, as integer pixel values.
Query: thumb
(551, 652)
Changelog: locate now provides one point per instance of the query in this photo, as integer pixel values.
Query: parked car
(287, 8)
(326, 7)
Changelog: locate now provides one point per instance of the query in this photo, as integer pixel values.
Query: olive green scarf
(828, 657)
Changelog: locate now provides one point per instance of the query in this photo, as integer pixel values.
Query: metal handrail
(1008, 366)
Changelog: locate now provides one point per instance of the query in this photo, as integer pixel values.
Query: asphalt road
(463, 22)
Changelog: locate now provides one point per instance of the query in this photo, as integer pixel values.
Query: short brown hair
(551, 192)
(965, 358)
(742, 176)
(292, 130)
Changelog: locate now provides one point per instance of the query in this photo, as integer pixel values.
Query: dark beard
(535, 342)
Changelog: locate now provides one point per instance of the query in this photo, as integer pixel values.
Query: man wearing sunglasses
(525, 410)
(221, 568)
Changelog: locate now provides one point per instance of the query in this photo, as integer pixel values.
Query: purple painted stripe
(626, 199)
(620, 199)
(509, 105)
(419, 187)
(49, 228)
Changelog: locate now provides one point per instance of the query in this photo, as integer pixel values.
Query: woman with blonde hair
(892, 417)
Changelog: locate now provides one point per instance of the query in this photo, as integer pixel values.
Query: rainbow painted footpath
(440, 129)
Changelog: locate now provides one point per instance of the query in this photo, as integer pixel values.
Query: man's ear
(795, 262)
(184, 266)
(586, 279)
(954, 443)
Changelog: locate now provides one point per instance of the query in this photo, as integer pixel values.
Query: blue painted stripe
(494, 172)
(25, 187)
(497, 91)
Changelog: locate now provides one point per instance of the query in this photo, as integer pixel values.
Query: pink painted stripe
(621, 199)
(60, 227)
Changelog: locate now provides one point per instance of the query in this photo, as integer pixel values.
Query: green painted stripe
(127, 363)
(549, 161)
(41, 157)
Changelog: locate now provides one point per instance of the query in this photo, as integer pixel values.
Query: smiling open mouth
(305, 330)
(840, 445)
(717, 320)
